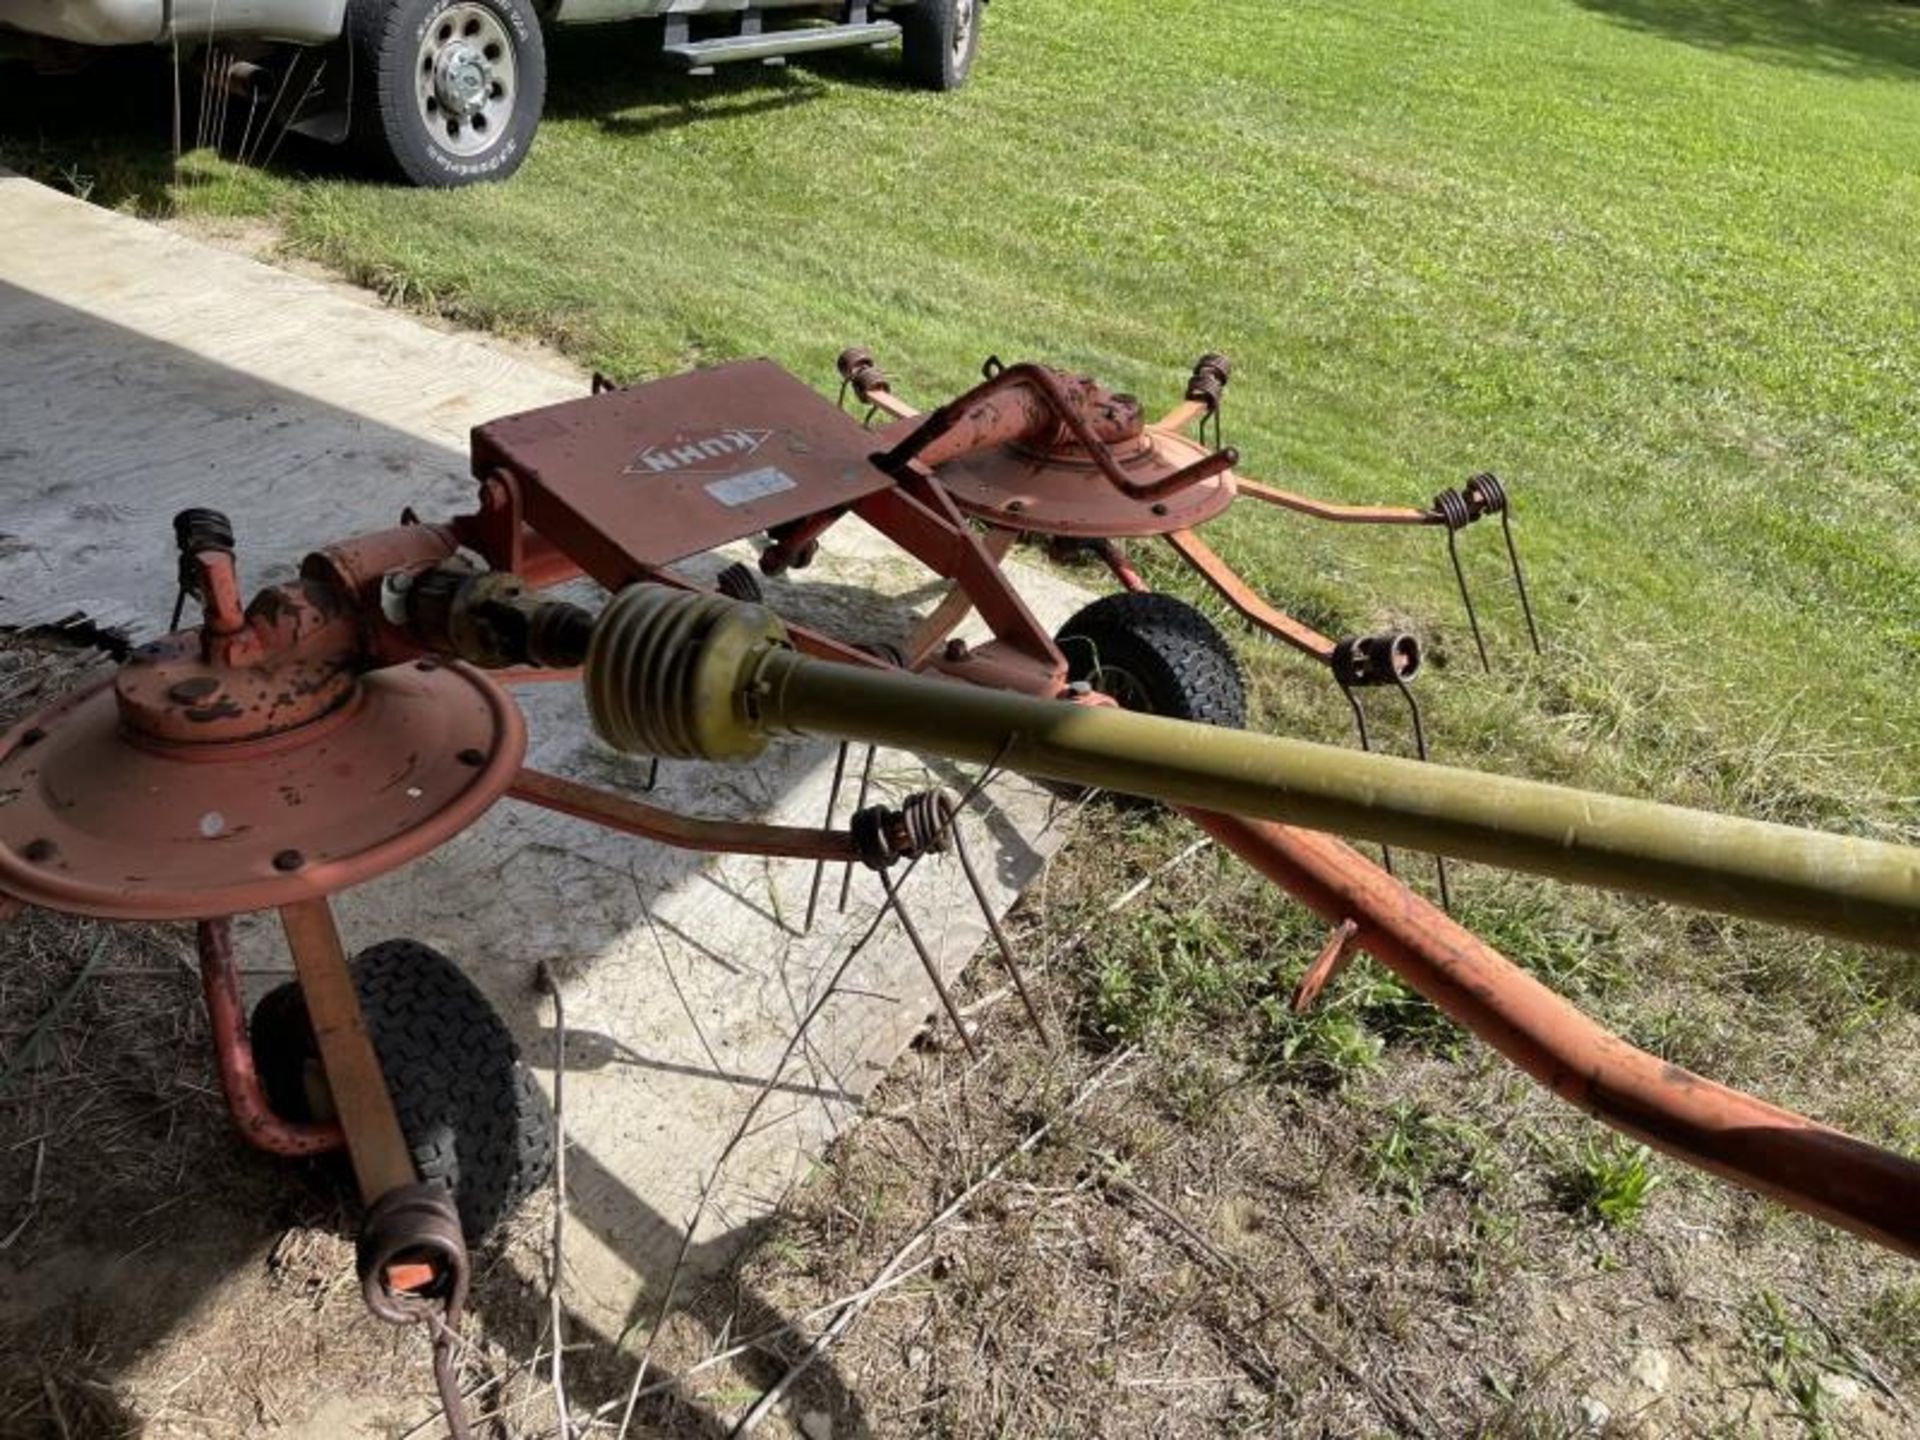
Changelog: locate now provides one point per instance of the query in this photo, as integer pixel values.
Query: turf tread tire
(1175, 654)
(472, 1113)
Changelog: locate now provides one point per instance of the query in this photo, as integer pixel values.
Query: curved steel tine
(1420, 751)
(1519, 576)
(928, 964)
(1466, 597)
(820, 866)
(1366, 745)
(653, 774)
(999, 935)
(860, 803)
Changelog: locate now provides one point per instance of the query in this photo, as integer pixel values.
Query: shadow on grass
(105, 133)
(1862, 39)
(629, 88)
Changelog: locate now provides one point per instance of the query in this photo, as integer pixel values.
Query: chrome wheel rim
(464, 79)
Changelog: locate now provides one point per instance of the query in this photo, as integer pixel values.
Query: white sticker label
(754, 485)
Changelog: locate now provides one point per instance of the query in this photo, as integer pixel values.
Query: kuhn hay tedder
(338, 726)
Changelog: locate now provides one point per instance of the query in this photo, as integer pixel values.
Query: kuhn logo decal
(692, 454)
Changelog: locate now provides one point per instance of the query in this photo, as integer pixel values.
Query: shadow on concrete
(1864, 39)
(91, 1244)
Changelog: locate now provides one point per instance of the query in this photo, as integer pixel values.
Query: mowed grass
(1653, 264)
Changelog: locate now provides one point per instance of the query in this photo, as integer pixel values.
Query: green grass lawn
(1655, 264)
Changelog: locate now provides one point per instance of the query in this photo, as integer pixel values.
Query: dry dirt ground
(1182, 1213)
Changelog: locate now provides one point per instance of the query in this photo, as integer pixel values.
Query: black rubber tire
(386, 36)
(929, 51)
(473, 1115)
(1158, 655)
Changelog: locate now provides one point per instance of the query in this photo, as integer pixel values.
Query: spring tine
(1466, 598)
(1440, 874)
(1519, 576)
(927, 964)
(266, 122)
(286, 121)
(1360, 724)
(846, 871)
(1420, 750)
(653, 774)
(179, 608)
(246, 133)
(820, 866)
(999, 935)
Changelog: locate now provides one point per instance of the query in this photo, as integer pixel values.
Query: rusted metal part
(1018, 404)
(416, 755)
(1035, 450)
(375, 1144)
(1237, 593)
(171, 691)
(1797, 1161)
(1063, 492)
(647, 476)
(411, 1256)
(414, 1268)
(921, 518)
(685, 832)
(253, 1113)
(195, 530)
(216, 582)
(1332, 959)
(1331, 510)
(1117, 563)
(954, 606)
(360, 566)
(861, 373)
(491, 619)
(1363, 661)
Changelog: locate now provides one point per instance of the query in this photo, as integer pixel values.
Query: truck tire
(938, 41)
(447, 92)
(473, 1115)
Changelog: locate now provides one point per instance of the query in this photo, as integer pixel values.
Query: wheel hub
(466, 79)
(462, 79)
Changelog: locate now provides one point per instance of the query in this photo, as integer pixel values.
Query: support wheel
(472, 1113)
(1157, 655)
(939, 40)
(448, 92)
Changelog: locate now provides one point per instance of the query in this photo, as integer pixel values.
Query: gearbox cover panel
(634, 479)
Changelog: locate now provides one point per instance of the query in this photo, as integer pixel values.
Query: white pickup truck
(448, 92)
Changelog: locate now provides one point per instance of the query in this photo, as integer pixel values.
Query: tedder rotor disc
(1066, 494)
(97, 822)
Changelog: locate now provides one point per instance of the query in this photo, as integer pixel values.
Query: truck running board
(700, 56)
